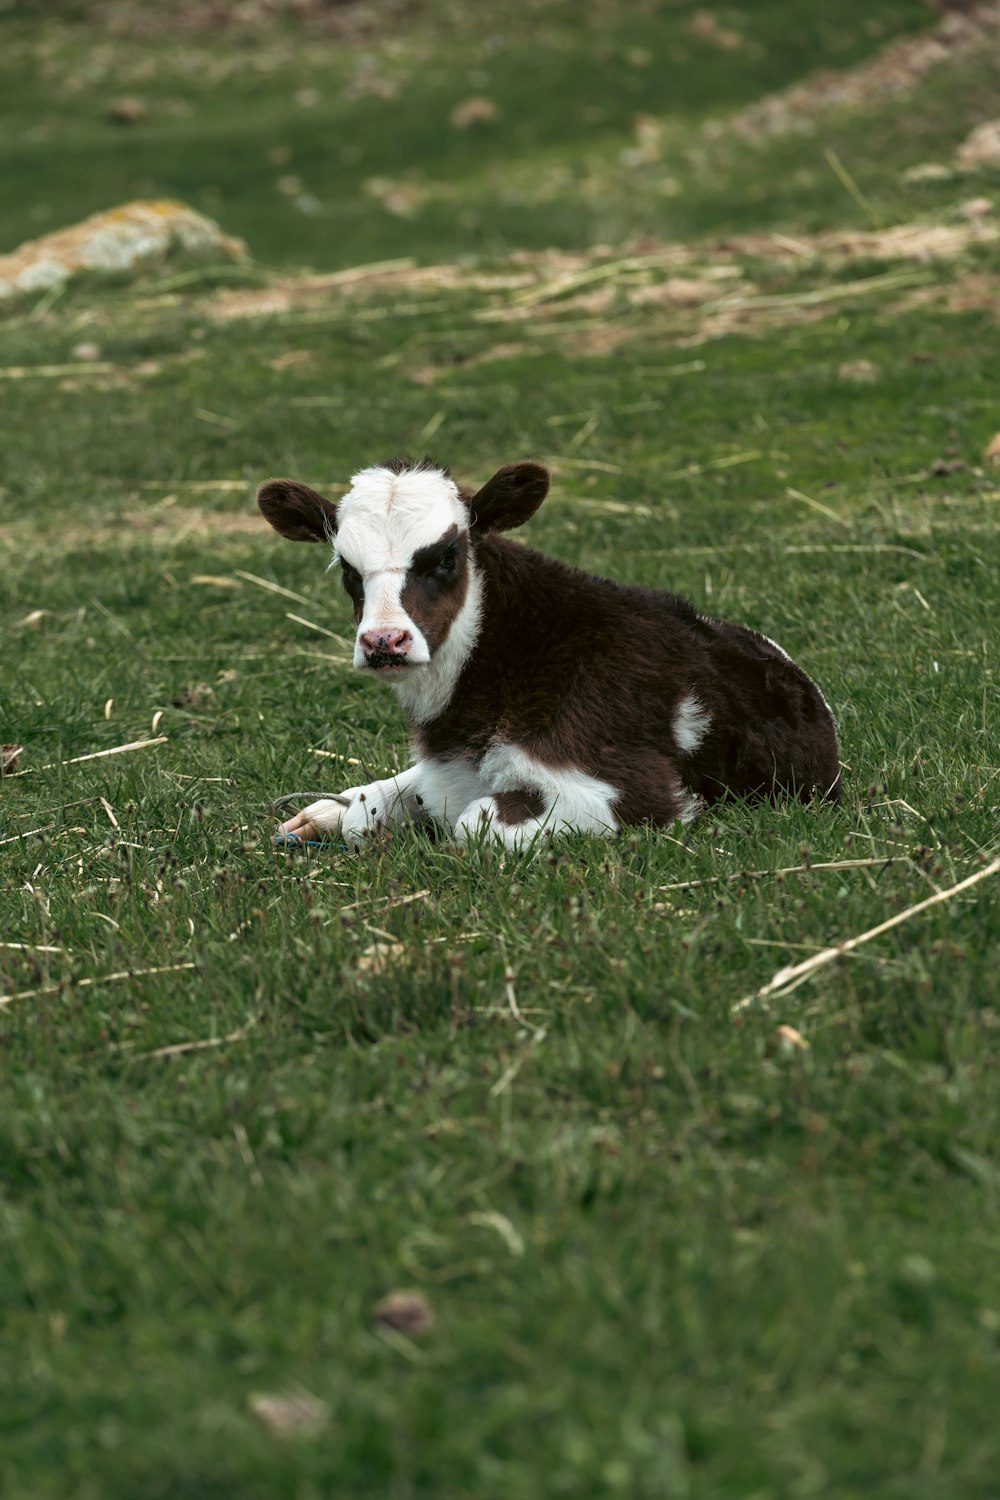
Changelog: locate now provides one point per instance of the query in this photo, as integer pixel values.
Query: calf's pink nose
(396, 641)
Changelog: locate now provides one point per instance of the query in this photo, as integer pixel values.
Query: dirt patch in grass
(339, 18)
(744, 309)
(892, 73)
(650, 313)
(429, 373)
(923, 240)
(981, 148)
(744, 285)
(587, 282)
(977, 291)
(287, 294)
(163, 522)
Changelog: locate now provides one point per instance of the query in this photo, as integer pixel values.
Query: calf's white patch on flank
(692, 722)
(482, 816)
(572, 798)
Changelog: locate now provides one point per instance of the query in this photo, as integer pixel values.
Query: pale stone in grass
(377, 958)
(981, 148)
(916, 1271)
(977, 208)
(128, 110)
(858, 371)
(928, 171)
(789, 1040)
(290, 1414)
(402, 199)
(117, 240)
(705, 27)
(406, 1312)
(476, 111)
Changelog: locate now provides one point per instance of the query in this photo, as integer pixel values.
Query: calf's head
(404, 535)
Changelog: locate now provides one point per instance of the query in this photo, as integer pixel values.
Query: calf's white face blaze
(386, 524)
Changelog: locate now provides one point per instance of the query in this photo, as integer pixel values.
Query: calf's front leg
(360, 810)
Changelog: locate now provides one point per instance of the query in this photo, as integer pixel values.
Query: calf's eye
(351, 577)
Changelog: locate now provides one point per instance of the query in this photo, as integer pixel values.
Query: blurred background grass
(325, 150)
(668, 1254)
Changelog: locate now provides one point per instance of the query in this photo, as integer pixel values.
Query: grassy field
(671, 1250)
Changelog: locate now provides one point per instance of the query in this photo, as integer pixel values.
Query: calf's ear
(299, 513)
(510, 498)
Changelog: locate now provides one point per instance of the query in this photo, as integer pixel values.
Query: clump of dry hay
(341, 18)
(896, 70)
(585, 281)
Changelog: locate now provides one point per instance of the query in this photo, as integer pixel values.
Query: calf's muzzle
(386, 647)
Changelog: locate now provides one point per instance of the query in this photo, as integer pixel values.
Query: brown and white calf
(541, 697)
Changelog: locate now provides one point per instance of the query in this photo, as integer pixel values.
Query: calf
(540, 697)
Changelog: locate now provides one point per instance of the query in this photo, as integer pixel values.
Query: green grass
(667, 1257)
(225, 128)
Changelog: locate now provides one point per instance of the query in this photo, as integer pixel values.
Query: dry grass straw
(509, 992)
(180, 1049)
(197, 486)
(76, 760)
(28, 833)
(818, 296)
(791, 977)
(33, 947)
(385, 903)
(54, 372)
(321, 630)
(607, 271)
(832, 864)
(349, 760)
(79, 984)
(505, 1080)
(272, 588)
(844, 177)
